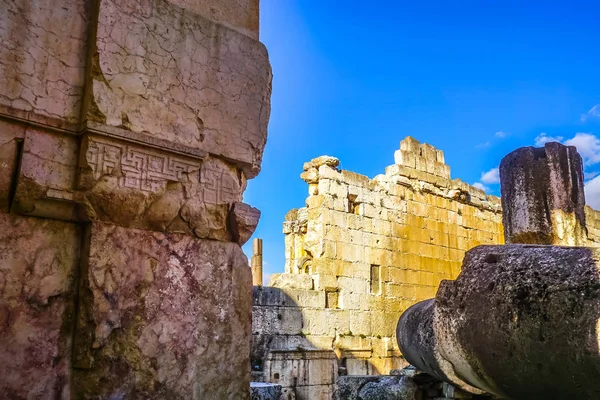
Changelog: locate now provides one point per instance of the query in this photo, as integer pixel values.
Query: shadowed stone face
(542, 196)
(520, 321)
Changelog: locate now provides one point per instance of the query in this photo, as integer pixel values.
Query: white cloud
(501, 134)
(588, 146)
(481, 186)
(483, 145)
(490, 177)
(543, 138)
(594, 112)
(591, 174)
(592, 193)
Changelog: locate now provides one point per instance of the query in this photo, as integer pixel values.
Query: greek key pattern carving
(140, 168)
(218, 187)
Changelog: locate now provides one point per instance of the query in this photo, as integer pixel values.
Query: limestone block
(242, 221)
(180, 79)
(410, 144)
(241, 15)
(326, 321)
(43, 59)
(297, 281)
(46, 185)
(274, 320)
(355, 180)
(306, 298)
(353, 284)
(320, 161)
(310, 176)
(302, 367)
(269, 296)
(328, 172)
(38, 272)
(157, 312)
(360, 323)
(542, 196)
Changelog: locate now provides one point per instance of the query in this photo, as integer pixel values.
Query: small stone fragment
(322, 160)
(243, 220)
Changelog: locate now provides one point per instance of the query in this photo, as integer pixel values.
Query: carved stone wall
(128, 131)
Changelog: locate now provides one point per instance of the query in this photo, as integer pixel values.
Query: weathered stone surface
(329, 161)
(11, 138)
(292, 281)
(241, 15)
(243, 220)
(47, 175)
(542, 196)
(135, 186)
(43, 59)
(520, 322)
(148, 115)
(376, 388)
(389, 388)
(162, 315)
(38, 269)
(416, 338)
(311, 175)
(264, 391)
(180, 78)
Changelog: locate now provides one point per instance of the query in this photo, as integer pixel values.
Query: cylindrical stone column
(542, 196)
(256, 262)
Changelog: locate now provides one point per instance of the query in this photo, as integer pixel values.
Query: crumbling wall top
(422, 157)
(418, 166)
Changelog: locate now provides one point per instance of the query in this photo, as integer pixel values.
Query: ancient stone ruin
(128, 132)
(362, 252)
(521, 321)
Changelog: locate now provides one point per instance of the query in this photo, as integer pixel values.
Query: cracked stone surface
(166, 72)
(43, 56)
(38, 268)
(241, 15)
(543, 198)
(162, 315)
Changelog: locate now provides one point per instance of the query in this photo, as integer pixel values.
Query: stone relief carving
(218, 186)
(134, 186)
(141, 169)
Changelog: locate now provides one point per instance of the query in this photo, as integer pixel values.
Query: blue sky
(476, 79)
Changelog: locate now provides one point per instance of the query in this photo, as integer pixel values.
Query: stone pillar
(128, 131)
(542, 196)
(257, 262)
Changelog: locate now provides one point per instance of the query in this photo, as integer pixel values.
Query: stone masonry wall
(128, 132)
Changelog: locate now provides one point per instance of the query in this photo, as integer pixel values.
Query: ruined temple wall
(364, 250)
(128, 131)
